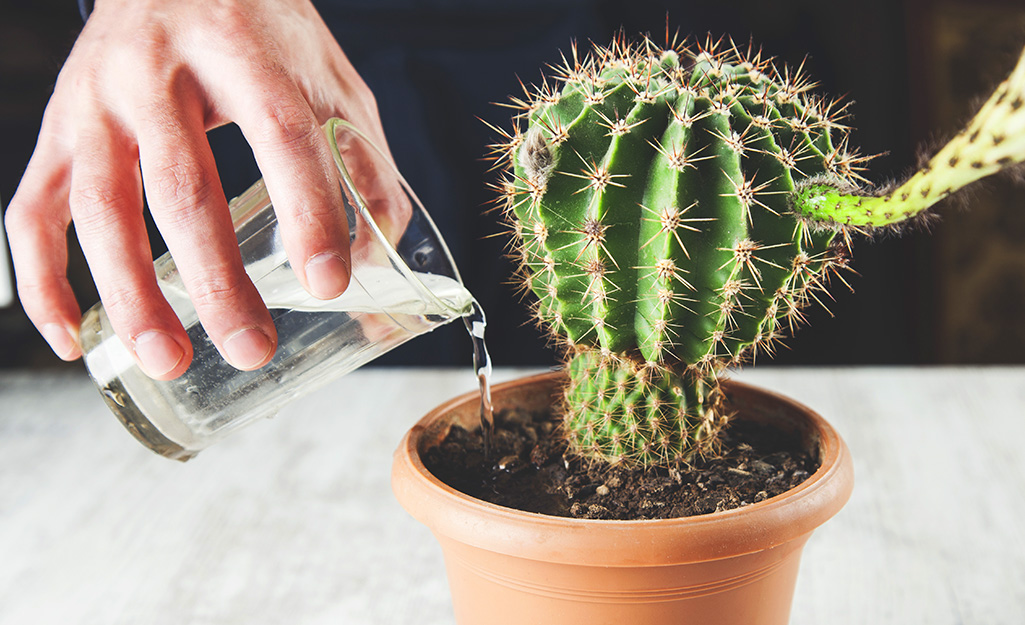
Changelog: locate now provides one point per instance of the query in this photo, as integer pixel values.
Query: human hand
(129, 113)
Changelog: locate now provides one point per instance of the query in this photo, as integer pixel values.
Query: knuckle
(95, 206)
(316, 221)
(217, 291)
(180, 185)
(36, 295)
(230, 22)
(92, 194)
(366, 98)
(85, 82)
(309, 217)
(18, 219)
(122, 301)
(152, 51)
(152, 47)
(291, 128)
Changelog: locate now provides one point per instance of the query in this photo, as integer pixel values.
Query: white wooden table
(270, 527)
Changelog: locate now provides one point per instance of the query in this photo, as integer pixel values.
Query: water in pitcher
(450, 291)
(178, 417)
(444, 288)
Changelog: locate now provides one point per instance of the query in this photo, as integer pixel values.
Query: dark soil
(529, 470)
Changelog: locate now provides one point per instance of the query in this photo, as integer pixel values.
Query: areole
(508, 566)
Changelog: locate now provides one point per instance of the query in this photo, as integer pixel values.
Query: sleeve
(85, 7)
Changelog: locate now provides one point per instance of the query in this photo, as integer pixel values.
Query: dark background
(913, 70)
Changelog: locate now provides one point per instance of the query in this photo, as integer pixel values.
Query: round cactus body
(652, 200)
(675, 211)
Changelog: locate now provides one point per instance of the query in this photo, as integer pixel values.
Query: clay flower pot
(507, 566)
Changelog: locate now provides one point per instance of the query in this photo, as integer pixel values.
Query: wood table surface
(292, 520)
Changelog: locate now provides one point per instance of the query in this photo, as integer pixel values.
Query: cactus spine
(675, 212)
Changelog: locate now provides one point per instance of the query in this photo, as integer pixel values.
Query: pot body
(511, 567)
(499, 589)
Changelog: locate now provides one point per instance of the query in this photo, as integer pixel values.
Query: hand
(129, 113)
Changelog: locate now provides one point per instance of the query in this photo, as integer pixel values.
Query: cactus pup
(676, 209)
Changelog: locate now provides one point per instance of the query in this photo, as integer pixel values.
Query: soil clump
(530, 470)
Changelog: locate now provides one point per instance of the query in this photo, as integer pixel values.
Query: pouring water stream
(476, 323)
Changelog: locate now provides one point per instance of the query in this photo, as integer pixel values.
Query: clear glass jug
(404, 283)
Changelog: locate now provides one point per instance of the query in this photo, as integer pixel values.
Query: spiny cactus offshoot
(677, 209)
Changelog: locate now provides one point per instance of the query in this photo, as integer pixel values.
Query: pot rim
(755, 527)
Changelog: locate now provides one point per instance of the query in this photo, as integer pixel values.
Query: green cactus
(675, 212)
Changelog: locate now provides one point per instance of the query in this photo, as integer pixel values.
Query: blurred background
(913, 70)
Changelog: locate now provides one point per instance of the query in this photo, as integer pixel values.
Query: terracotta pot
(508, 566)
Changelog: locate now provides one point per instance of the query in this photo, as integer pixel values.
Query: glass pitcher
(404, 283)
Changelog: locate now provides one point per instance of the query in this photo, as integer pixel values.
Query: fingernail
(60, 340)
(158, 353)
(247, 349)
(327, 275)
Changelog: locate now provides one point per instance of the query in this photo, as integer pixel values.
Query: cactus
(676, 210)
